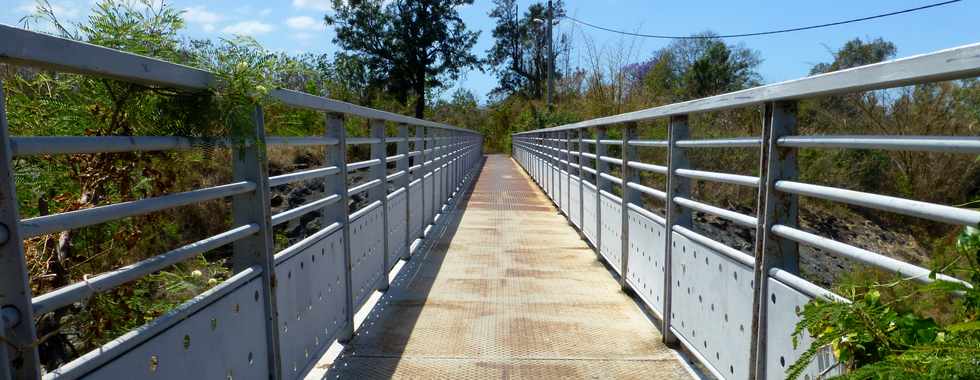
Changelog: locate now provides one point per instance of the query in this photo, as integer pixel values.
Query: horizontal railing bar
(648, 143)
(302, 176)
(611, 142)
(395, 158)
(308, 101)
(80, 218)
(396, 175)
(738, 218)
(610, 196)
(942, 144)
(611, 160)
(588, 169)
(23, 47)
(39, 145)
(804, 286)
(867, 257)
(588, 155)
(742, 142)
(363, 140)
(69, 294)
(299, 211)
(647, 190)
(363, 164)
(415, 168)
(589, 141)
(647, 213)
(364, 210)
(301, 141)
(950, 64)
(732, 253)
(734, 179)
(919, 209)
(611, 178)
(364, 187)
(301, 245)
(648, 167)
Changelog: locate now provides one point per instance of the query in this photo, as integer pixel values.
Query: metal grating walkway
(508, 291)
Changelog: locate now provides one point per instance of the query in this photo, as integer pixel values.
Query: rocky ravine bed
(818, 266)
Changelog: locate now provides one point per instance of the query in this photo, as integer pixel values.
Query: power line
(766, 32)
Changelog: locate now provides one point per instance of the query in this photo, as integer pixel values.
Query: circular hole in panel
(187, 341)
(251, 359)
(237, 308)
(782, 361)
(214, 324)
(731, 369)
(230, 375)
(154, 363)
(773, 298)
(256, 296)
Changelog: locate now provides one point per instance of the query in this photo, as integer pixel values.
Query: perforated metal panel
(366, 248)
(563, 192)
(415, 211)
(234, 323)
(574, 199)
(588, 211)
(646, 259)
(712, 305)
(311, 298)
(397, 224)
(784, 306)
(612, 231)
(429, 206)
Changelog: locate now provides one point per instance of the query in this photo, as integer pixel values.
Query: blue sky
(296, 26)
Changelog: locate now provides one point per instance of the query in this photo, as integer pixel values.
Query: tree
(519, 55)
(409, 46)
(695, 68)
(857, 53)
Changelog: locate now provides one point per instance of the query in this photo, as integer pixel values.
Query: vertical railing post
(420, 144)
(403, 182)
(774, 207)
(552, 165)
(677, 186)
(379, 151)
(340, 212)
(581, 180)
(567, 136)
(629, 175)
(16, 310)
(249, 164)
(600, 184)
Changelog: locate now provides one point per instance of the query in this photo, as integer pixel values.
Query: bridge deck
(508, 290)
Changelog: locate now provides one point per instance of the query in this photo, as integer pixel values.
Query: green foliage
(878, 338)
(407, 46)
(519, 55)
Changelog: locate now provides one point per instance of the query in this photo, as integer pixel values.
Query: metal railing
(735, 312)
(279, 310)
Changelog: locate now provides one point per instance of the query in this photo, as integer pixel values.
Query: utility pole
(551, 56)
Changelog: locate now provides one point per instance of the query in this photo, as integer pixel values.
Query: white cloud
(248, 28)
(265, 12)
(202, 16)
(64, 10)
(305, 23)
(319, 5)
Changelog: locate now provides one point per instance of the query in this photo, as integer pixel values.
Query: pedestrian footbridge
(549, 262)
